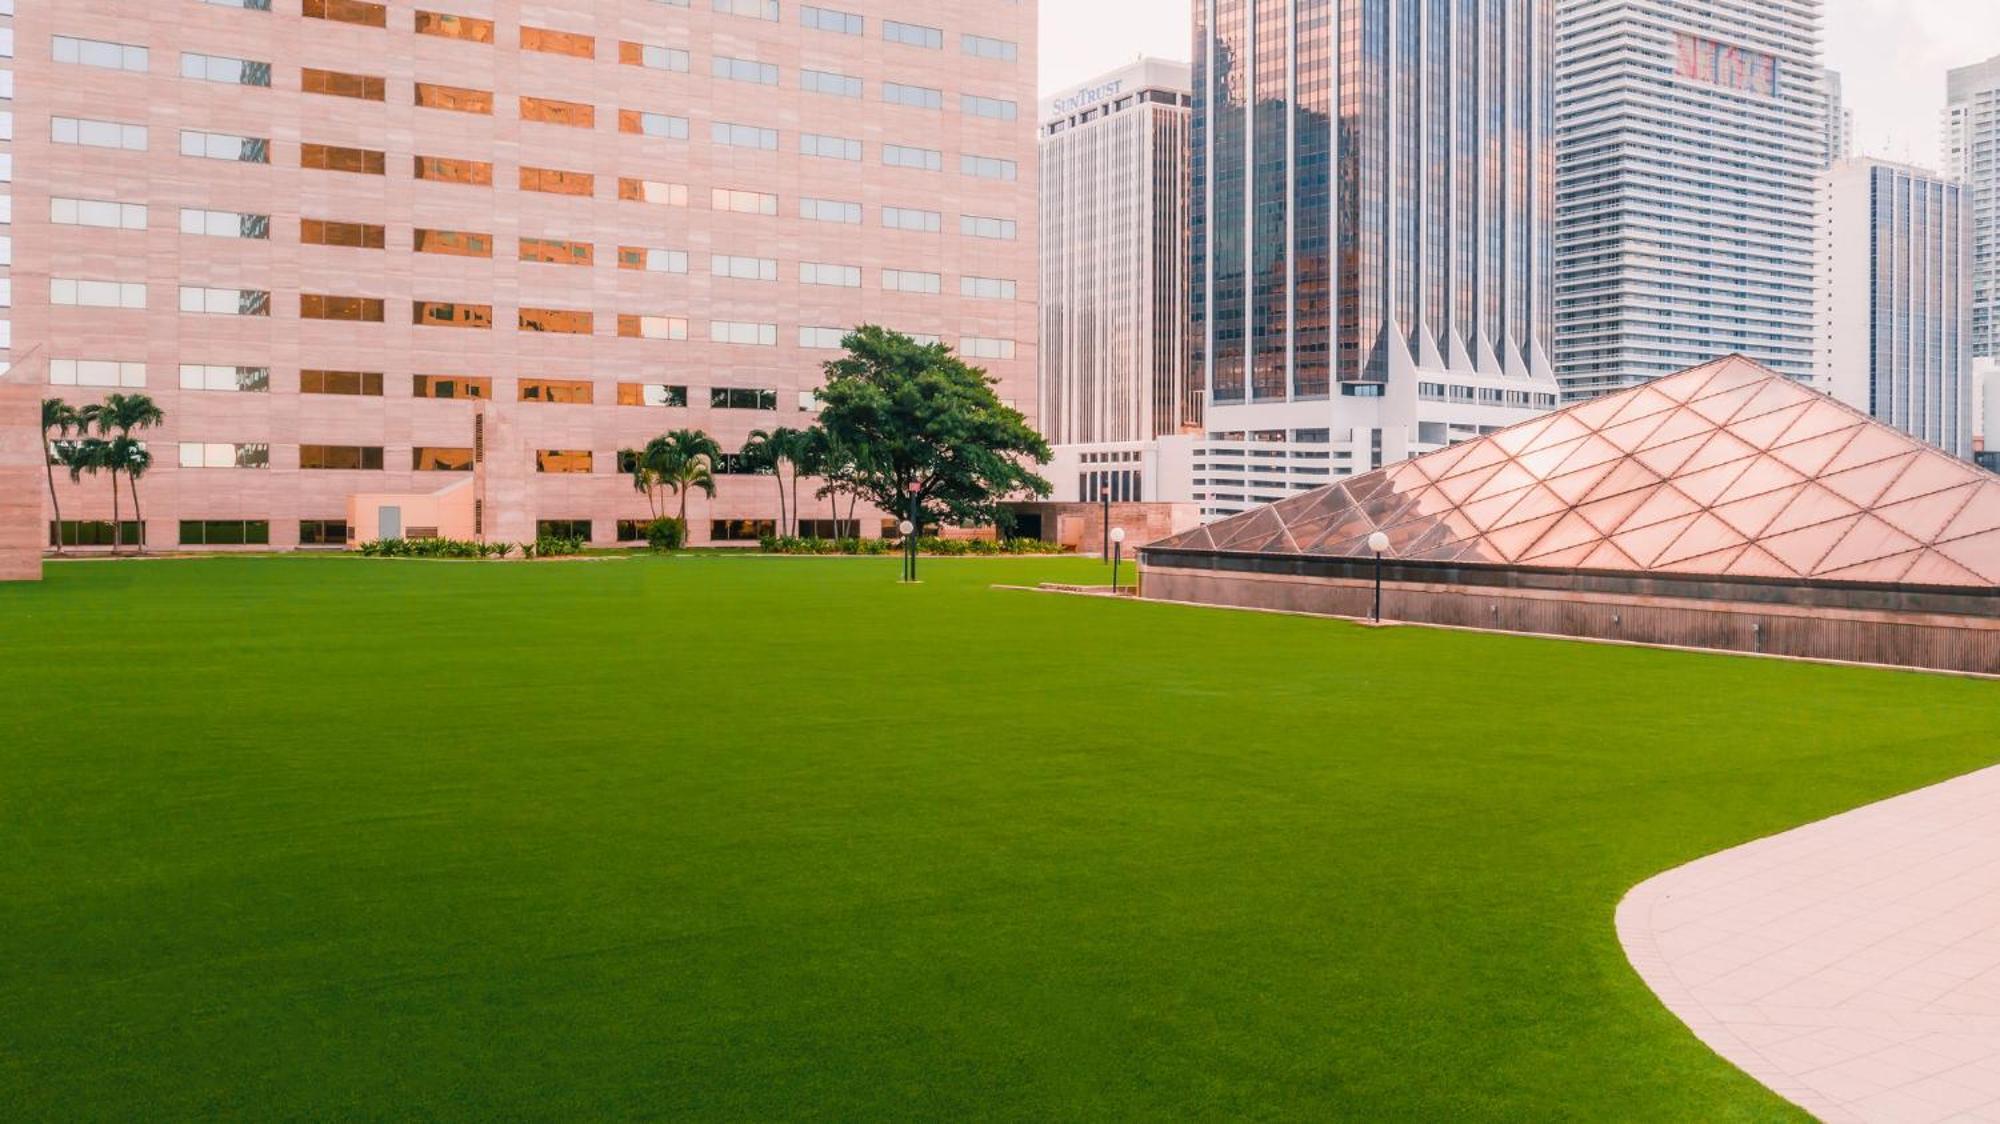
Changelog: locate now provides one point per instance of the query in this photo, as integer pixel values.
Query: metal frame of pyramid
(1723, 470)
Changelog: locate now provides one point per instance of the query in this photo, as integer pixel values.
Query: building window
(749, 9)
(916, 97)
(225, 146)
(451, 386)
(453, 243)
(562, 460)
(828, 338)
(653, 58)
(996, 108)
(652, 327)
(94, 532)
(96, 294)
(226, 532)
(632, 530)
(741, 530)
(830, 147)
(563, 529)
(333, 83)
(911, 281)
(743, 136)
(653, 191)
(830, 210)
(556, 251)
(558, 42)
(213, 376)
(982, 347)
(225, 302)
(335, 158)
(96, 372)
(362, 383)
(980, 226)
(742, 332)
(549, 111)
(651, 260)
(652, 394)
(100, 53)
(325, 232)
(572, 392)
(322, 532)
(986, 167)
(346, 11)
(440, 458)
(743, 268)
(458, 99)
(443, 169)
(823, 273)
(447, 26)
(101, 134)
(218, 68)
(318, 306)
(563, 321)
(558, 182)
(451, 314)
(743, 202)
(741, 398)
(97, 212)
(830, 83)
(223, 224)
(222, 454)
(641, 123)
(986, 288)
(830, 19)
(337, 457)
(904, 156)
(910, 218)
(743, 70)
(979, 46)
(912, 35)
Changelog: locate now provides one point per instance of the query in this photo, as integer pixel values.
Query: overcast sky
(1892, 53)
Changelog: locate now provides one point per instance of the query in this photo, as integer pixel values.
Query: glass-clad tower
(1972, 156)
(1689, 137)
(1372, 205)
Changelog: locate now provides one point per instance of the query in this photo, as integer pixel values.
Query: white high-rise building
(1971, 155)
(1689, 135)
(1895, 278)
(1114, 258)
(1839, 118)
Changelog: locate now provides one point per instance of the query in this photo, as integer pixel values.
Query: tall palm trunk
(117, 525)
(778, 474)
(55, 501)
(795, 501)
(132, 482)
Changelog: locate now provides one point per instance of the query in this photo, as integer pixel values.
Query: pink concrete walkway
(1852, 965)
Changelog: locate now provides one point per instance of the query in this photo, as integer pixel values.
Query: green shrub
(929, 544)
(555, 546)
(666, 534)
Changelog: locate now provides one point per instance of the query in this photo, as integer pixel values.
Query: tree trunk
(132, 482)
(55, 501)
(117, 525)
(778, 474)
(795, 501)
(684, 506)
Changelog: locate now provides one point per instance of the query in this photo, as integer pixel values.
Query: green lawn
(746, 838)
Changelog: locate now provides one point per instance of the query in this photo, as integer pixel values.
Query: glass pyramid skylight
(1723, 469)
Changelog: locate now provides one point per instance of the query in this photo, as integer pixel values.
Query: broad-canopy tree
(915, 414)
(683, 460)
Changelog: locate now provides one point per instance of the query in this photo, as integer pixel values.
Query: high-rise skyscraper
(356, 248)
(1972, 156)
(1895, 278)
(1839, 118)
(1372, 198)
(1113, 345)
(1690, 135)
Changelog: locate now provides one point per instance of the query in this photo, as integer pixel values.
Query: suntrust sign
(1089, 95)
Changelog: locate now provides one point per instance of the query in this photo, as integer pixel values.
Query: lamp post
(1104, 493)
(909, 559)
(1378, 542)
(1117, 556)
(916, 523)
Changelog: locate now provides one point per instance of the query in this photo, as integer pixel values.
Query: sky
(1892, 55)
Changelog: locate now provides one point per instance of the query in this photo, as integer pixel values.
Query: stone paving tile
(1852, 965)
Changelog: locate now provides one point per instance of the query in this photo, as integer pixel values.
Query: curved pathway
(1852, 965)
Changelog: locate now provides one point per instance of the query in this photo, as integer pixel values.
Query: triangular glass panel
(1822, 417)
(1890, 569)
(1765, 431)
(1705, 535)
(1512, 541)
(1632, 435)
(1608, 557)
(1932, 472)
(1717, 562)
(1933, 568)
(1721, 449)
(1668, 459)
(1684, 423)
(1926, 517)
(1751, 515)
(1980, 514)
(1571, 532)
(1706, 486)
(1870, 539)
(1801, 550)
(1812, 505)
(1608, 515)
(1573, 486)
(1873, 443)
(1667, 503)
(1861, 486)
(1980, 554)
(1756, 562)
(1646, 543)
(1811, 455)
(1764, 474)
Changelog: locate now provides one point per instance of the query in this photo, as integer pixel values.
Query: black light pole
(1104, 492)
(1117, 556)
(1378, 542)
(916, 529)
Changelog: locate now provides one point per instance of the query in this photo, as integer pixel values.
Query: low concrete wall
(1942, 641)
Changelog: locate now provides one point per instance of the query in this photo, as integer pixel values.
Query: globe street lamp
(1378, 542)
(1117, 555)
(909, 559)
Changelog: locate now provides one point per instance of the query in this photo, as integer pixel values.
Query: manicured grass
(748, 838)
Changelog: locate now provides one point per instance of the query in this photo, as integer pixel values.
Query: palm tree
(645, 477)
(135, 459)
(60, 417)
(685, 460)
(89, 455)
(115, 418)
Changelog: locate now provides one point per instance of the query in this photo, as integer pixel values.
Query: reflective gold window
(565, 320)
(445, 169)
(562, 460)
(557, 182)
(340, 456)
(336, 84)
(653, 191)
(451, 314)
(634, 326)
(457, 243)
(320, 306)
(440, 458)
(367, 383)
(556, 251)
(346, 11)
(558, 42)
(651, 394)
(576, 114)
(447, 26)
(451, 386)
(325, 232)
(333, 158)
(576, 392)
(430, 95)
